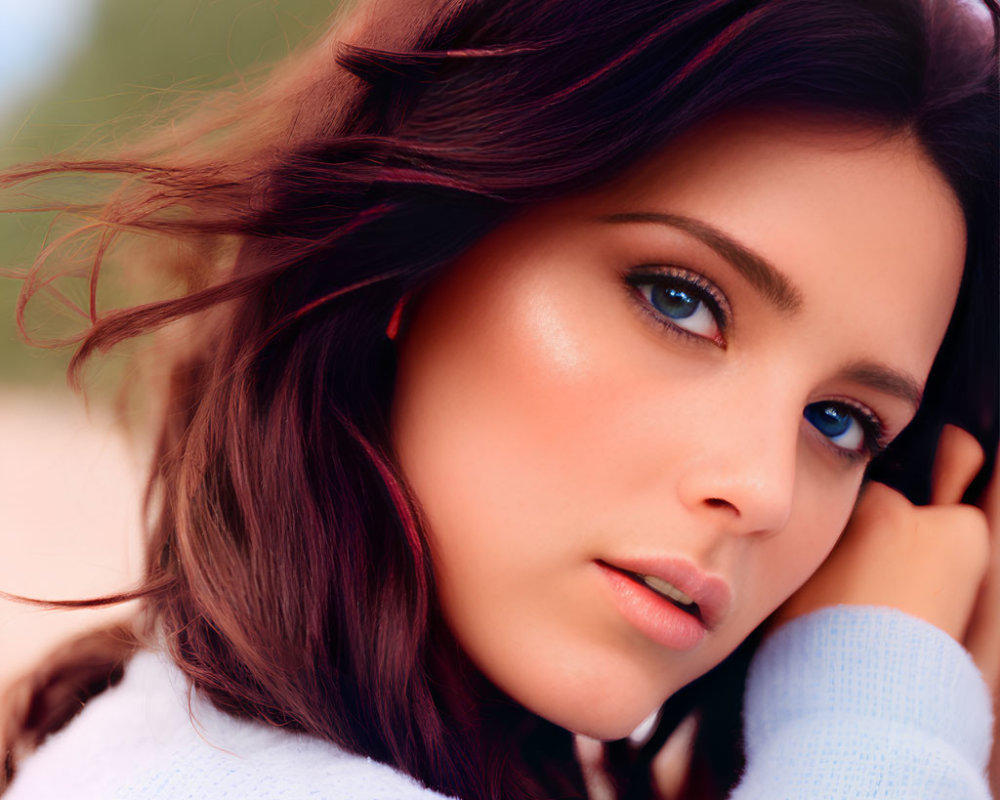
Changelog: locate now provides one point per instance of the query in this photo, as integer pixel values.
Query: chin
(600, 704)
(605, 722)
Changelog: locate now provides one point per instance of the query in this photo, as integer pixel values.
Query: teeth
(667, 589)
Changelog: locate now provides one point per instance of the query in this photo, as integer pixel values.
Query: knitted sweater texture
(846, 703)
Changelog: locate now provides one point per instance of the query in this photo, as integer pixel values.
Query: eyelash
(696, 285)
(706, 292)
(873, 430)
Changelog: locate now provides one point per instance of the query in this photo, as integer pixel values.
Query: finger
(590, 756)
(983, 636)
(991, 501)
(957, 461)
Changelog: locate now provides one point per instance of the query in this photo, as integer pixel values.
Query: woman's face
(669, 386)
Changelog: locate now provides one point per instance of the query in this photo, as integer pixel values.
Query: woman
(536, 354)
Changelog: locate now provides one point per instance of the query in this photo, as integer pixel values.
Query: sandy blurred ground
(69, 520)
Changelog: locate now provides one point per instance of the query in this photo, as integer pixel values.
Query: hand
(929, 561)
(983, 635)
(939, 562)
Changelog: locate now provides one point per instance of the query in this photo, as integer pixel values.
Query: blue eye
(685, 302)
(676, 303)
(847, 427)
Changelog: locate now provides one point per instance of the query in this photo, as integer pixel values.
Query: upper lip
(710, 592)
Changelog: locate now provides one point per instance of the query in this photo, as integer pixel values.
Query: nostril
(718, 502)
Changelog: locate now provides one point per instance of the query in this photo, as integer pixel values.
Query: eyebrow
(774, 286)
(884, 379)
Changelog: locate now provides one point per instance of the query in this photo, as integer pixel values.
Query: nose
(742, 477)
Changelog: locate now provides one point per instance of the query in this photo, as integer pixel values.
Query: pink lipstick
(669, 600)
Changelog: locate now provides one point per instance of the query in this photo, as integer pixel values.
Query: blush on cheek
(555, 340)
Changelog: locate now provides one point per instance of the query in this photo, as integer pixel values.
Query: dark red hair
(287, 571)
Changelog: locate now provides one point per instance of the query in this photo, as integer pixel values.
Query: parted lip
(710, 592)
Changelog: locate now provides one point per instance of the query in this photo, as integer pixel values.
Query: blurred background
(75, 72)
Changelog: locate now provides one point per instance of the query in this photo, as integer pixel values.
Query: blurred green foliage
(143, 56)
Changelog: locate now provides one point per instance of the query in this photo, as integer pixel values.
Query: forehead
(813, 164)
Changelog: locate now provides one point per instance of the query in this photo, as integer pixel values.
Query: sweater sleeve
(864, 702)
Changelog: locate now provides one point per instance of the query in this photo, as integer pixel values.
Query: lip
(710, 592)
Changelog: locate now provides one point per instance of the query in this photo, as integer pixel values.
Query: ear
(395, 321)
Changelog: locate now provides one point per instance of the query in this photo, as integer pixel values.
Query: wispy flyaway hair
(287, 571)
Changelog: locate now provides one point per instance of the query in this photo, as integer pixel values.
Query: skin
(548, 417)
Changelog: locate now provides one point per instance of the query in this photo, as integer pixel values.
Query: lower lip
(653, 616)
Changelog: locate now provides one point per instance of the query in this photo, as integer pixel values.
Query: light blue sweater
(842, 704)
(865, 703)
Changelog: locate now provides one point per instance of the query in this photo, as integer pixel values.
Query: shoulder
(291, 770)
(150, 738)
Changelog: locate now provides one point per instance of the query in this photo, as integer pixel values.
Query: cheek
(491, 436)
(789, 559)
(507, 392)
